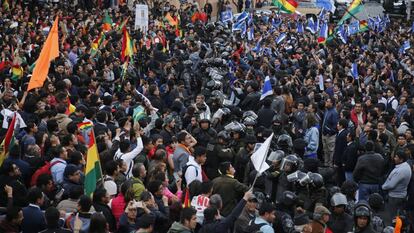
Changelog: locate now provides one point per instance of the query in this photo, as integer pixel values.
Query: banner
(141, 17)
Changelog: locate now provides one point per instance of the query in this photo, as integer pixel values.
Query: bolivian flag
(363, 26)
(127, 46)
(8, 141)
(70, 109)
(352, 10)
(93, 171)
(107, 22)
(17, 72)
(288, 6)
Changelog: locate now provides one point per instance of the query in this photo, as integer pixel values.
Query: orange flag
(49, 52)
(398, 224)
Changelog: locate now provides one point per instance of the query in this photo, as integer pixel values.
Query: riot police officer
(362, 218)
(285, 213)
(218, 152)
(340, 221)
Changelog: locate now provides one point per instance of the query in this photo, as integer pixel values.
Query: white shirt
(200, 203)
(129, 157)
(193, 171)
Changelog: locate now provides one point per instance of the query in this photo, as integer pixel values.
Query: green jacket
(138, 187)
(177, 227)
(230, 190)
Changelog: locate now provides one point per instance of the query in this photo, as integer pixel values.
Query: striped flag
(17, 72)
(287, 6)
(84, 129)
(8, 141)
(226, 16)
(323, 34)
(127, 46)
(406, 45)
(342, 35)
(355, 7)
(311, 25)
(267, 88)
(363, 26)
(107, 22)
(93, 170)
(71, 108)
(281, 38)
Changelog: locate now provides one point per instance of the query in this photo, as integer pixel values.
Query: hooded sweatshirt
(179, 228)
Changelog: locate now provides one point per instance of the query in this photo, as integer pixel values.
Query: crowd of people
(176, 123)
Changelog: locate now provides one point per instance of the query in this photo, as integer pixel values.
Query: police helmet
(316, 180)
(223, 135)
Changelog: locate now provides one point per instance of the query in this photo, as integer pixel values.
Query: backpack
(130, 182)
(184, 170)
(45, 169)
(253, 227)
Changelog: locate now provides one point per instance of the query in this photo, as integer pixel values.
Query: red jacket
(354, 117)
(118, 207)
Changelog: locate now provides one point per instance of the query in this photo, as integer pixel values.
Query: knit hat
(321, 210)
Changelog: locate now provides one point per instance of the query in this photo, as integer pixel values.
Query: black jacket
(223, 225)
(265, 117)
(369, 168)
(251, 102)
(340, 145)
(350, 157)
(340, 223)
(106, 211)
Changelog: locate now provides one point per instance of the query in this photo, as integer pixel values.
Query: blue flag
(311, 25)
(354, 70)
(242, 17)
(406, 45)
(342, 34)
(250, 34)
(326, 4)
(299, 27)
(257, 48)
(321, 15)
(226, 16)
(267, 88)
(353, 28)
(281, 38)
(250, 20)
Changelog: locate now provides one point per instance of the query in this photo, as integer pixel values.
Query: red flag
(187, 202)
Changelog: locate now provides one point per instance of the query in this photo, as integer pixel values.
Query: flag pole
(261, 164)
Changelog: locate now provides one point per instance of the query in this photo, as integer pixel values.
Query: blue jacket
(398, 180)
(312, 140)
(34, 219)
(330, 120)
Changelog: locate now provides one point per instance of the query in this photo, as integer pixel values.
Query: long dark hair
(98, 223)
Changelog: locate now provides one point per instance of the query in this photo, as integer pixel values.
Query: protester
(150, 120)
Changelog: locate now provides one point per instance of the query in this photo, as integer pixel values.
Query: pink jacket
(118, 207)
(169, 194)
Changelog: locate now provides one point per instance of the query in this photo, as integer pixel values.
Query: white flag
(259, 157)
